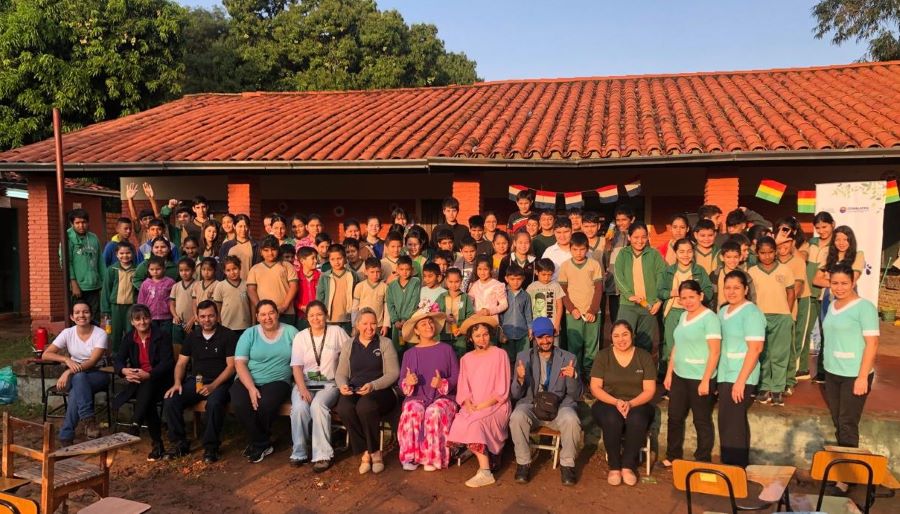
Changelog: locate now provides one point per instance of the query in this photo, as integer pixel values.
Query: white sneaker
(429, 467)
(482, 478)
(410, 466)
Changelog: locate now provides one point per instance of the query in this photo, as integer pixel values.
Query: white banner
(860, 206)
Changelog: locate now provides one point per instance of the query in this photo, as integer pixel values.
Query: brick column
(722, 189)
(467, 189)
(245, 197)
(45, 277)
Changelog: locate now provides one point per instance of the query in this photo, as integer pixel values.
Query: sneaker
(410, 466)
(91, 429)
(522, 472)
(258, 455)
(778, 399)
(321, 465)
(156, 453)
(764, 397)
(803, 375)
(177, 452)
(482, 478)
(298, 462)
(211, 455)
(788, 391)
(567, 474)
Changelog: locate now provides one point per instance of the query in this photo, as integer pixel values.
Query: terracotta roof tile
(834, 107)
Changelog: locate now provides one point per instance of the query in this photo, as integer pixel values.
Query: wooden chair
(10, 504)
(57, 478)
(554, 445)
(731, 482)
(848, 465)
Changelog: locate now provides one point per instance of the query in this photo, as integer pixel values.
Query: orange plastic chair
(716, 480)
(10, 504)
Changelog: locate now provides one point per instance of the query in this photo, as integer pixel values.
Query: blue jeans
(318, 415)
(82, 387)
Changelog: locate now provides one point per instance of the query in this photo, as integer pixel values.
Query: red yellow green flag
(806, 202)
(771, 191)
(891, 194)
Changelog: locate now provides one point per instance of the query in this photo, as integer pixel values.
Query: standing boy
(546, 294)
(372, 293)
(476, 231)
(402, 299)
(335, 288)
(231, 298)
(706, 254)
(559, 252)
(393, 245)
(375, 244)
(517, 220)
(86, 267)
(582, 281)
(466, 262)
(545, 238)
(274, 280)
(123, 234)
(308, 283)
(590, 226)
(450, 208)
(118, 293)
(616, 239)
(516, 320)
(431, 283)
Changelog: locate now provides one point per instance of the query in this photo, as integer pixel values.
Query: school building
(689, 138)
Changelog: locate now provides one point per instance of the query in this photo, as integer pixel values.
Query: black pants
(613, 425)
(734, 427)
(362, 415)
(845, 407)
(146, 397)
(216, 403)
(258, 423)
(683, 398)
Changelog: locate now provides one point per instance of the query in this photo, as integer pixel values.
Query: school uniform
(745, 324)
(235, 305)
(247, 252)
(402, 301)
(306, 292)
(388, 269)
(141, 274)
(690, 360)
(579, 281)
(638, 275)
(336, 292)
(459, 230)
(803, 321)
(516, 322)
(771, 298)
(616, 241)
(117, 296)
(717, 278)
(709, 261)
(272, 282)
(183, 295)
(373, 296)
(845, 332)
(457, 309)
(86, 268)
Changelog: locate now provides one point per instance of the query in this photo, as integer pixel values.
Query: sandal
(365, 464)
(377, 465)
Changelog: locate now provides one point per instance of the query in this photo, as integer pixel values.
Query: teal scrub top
(268, 361)
(745, 324)
(845, 331)
(691, 349)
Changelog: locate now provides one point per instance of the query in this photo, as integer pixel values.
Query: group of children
(560, 267)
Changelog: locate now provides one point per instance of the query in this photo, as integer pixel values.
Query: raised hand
(411, 379)
(148, 190)
(436, 381)
(569, 370)
(131, 190)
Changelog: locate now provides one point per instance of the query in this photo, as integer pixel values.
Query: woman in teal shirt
(851, 341)
(743, 337)
(262, 361)
(690, 377)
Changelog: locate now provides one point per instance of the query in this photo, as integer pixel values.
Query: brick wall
(46, 286)
(722, 189)
(467, 189)
(245, 197)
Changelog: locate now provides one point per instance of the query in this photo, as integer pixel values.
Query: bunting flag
(806, 202)
(514, 191)
(608, 194)
(891, 194)
(770, 191)
(573, 200)
(633, 188)
(545, 200)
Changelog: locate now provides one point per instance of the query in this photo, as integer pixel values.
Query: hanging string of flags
(772, 191)
(575, 199)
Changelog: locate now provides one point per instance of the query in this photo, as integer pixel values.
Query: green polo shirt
(739, 327)
(691, 349)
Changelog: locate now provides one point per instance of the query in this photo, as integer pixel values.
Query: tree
(210, 60)
(94, 59)
(875, 21)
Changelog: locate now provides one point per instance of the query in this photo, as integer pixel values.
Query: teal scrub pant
(776, 353)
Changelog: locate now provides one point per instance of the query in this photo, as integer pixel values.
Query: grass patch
(14, 349)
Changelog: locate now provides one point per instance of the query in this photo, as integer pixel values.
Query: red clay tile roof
(73, 185)
(836, 107)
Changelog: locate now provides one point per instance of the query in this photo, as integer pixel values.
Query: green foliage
(875, 21)
(94, 59)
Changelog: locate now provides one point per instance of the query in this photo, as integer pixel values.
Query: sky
(517, 39)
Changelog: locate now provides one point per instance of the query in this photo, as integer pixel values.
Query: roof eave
(425, 165)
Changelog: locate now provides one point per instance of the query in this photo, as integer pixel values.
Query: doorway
(9, 261)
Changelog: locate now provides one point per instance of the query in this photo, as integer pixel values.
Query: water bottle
(199, 384)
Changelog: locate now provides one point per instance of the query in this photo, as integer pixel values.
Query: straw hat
(490, 321)
(408, 331)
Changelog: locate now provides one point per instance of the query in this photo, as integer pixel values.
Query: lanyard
(318, 353)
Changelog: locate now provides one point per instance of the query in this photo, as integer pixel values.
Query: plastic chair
(848, 465)
(731, 482)
(10, 504)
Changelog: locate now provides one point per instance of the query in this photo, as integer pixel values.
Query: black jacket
(162, 361)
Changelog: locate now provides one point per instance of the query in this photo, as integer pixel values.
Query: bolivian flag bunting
(891, 194)
(633, 188)
(608, 194)
(771, 191)
(514, 191)
(545, 199)
(806, 202)
(573, 200)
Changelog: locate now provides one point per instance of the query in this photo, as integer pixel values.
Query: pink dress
(483, 376)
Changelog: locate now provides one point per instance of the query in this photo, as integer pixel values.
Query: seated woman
(623, 380)
(314, 360)
(366, 372)
(262, 360)
(482, 393)
(428, 380)
(146, 361)
(86, 345)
